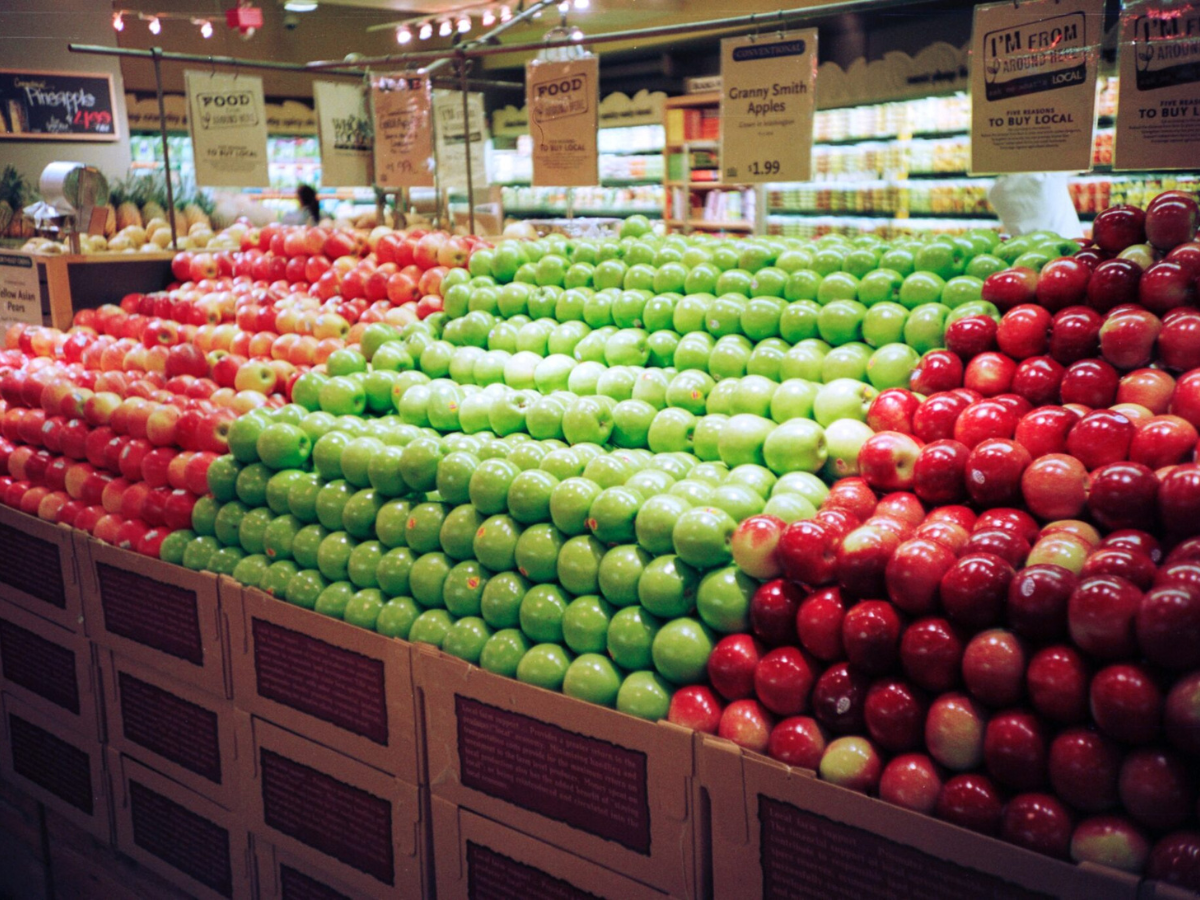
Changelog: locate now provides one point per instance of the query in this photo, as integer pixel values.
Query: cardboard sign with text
(451, 139)
(344, 123)
(401, 106)
(1033, 85)
(563, 100)
(20, 292)
(1158, 107)
(767, 102)
(227, 117)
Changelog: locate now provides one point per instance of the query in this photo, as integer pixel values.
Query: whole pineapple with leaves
(196, 211)
(154, 197)
(126, 197)
(14, 191)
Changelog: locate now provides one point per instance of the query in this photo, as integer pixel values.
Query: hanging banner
(20, 291)
(1158, 104)
(344, 125)
(403, 131)
(451, 139)
(1033, 85)
(563, 99)
(228, 122)
(768, 94)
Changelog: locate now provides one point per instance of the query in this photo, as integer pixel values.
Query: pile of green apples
(545, 477)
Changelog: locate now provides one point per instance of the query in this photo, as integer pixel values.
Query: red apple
(911, 781)
(1015, 751)
(819, 624)
(1176, 860)
(1124, 495)
(1038, 822)
(783, 680)
(993, 668)
(971, 801)
(1126, 703)
(1101, 616)
(838, 699)
(1083, 767)
(1111, 841)
(695, 707)
(931, 652)
(773, 612)
(894, 713)
(798, 741)
(732, 664)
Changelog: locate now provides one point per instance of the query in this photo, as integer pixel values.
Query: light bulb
(576, 34)
(155, 25)
(426, 31)
(489, 18)
(403, 35)
(464, 23)
(118, 22)
(564, 6)
(505, 13)
(444, 28)
(582, 4)
(206, 29)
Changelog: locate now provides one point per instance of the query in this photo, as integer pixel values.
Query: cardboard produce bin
(58, 767)
(290, 876)
(611, 788)
(82, 867)
(196, 845)
(71, 282)
(163, 615)
(363, 826)
(22, 852)
(37, 569)
(340, 685)
(478, 859)
(51, 669)
(175, 728)
(780, 832)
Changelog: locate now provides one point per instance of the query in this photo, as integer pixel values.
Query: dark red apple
(971, 801)
(798, 741)
(911, 781)
(931, 652)
(819, 624)
(838, 699)
(1101, 616)
(1015, 751)
(1037, 602)
(1126, 703)
(1157, 788)
(783, 680)
(1168, 627)
(1057, 680)
(1083, 767)
(773, 612)
(1118, 227)
(1038, 822)
(994, 668)
(1181, 714)
(1176, 860)
(1125, 495)
(974, 591)
(914, 574)
(732, 664)
(1171, 219)
(895, 715)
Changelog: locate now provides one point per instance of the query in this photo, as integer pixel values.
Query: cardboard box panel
(177, 729)
(37, 569)
(608, 787)
(51, 668)
(57, 766)
(359, 824)
(781, 833)
(162, 615)
(344, 687)
(21, 819)
(479, 859)
(289, 876)
(190, 841)
(82, 867)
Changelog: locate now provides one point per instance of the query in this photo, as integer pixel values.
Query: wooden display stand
(70, 283)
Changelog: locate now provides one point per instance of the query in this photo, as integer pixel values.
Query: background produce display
(919, 514)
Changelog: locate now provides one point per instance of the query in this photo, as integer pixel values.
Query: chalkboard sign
(68, 106)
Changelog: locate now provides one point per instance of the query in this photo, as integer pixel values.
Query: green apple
(541, 613)
(619, 572)
(806, 484)
(723, 600)
(655, 520)
(396, 618)
(392, 571)
(457, 534)
(630, 636)
(563, 463)
(738, 500)
(463, 587)
(275, 580)
(495, 543)
(579, 564)
(333, 555)
(431, 627)
(249, 570)
(629, 307)
(544, 666)
(307, 390)
(333, 599)
(592, 678)
(766, 359)
(926, 326)
(837, 286)
(617, 382)
(983, 265)
(707, 435)
(570, 502)
(305, 587)
(529, 496)
(252, 529)
(466, 639)
(585, 624)
(587, 420)
(667, 586)
(356, 459)
(391, 522)
(307, 545)
(691, 313)
(702, 538)
(921, 287)
(962, 289)
(251, 484)
(844, 438)
(681, 649)
(608, 470)
(802, 284)
(552, 373)
(805, 360)
(454, 476)
(489, 484)
(645, 695)
(891, 366)
(789, 508)
(244, 432)
(798, 445)
(358, 515)
(758, 478)
(543, 418)
(612, 515)
(427, 578)
(884, 323)
(729, 357)
(364, 608)
(503, 652)
(422, 529)
(842, 398)
(742, 439)
(537, 552)
(198, 553)
(632, 421)
(754, 394)
(500, 602)
(793, 400)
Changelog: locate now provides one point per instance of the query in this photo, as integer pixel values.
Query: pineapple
(196, 211)
(14, 194)
(125, 196)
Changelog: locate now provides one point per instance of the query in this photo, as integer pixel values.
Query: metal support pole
(488, 37)
(463, 66)
(157, 53)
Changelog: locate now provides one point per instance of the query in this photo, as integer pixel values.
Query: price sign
(228, 121)
(68, 106)
(403, 131)
(768, 95)
(345, 128)
(451, 139)
(20, 293)
(563, 100)
(1033, 85)
(1158, 109)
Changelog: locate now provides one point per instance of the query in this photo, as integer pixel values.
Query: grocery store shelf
(613, 212)
(719, 226)
(706, 185)
(695, 145)
(604, 182)
(894, 214)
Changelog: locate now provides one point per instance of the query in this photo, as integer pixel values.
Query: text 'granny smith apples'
(545, 477)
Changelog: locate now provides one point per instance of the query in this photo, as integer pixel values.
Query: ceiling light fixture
(118, 22)
(426, 31)
(300, 6)
(155, 25)
(505, 13)
(576, 34)
(489, 18)
(206, 29)
(404, 35)
(464, 23)
(582, 4)
(444, 28)
(564, 6)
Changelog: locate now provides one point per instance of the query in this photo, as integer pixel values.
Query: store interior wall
(33, 36)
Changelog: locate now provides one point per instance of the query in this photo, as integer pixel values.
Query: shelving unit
(683, 193)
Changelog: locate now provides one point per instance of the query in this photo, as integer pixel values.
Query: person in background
(309, 212)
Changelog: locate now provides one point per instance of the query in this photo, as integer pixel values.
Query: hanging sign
(768, 94)
(451, 139)
(1033, 85)
(69, 106)
(1158, 104)
(344, 125)
(403, 131)
(20, 293)
(228, 122)
(563, 99)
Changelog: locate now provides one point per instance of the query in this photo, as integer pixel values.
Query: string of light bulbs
(460, 21)
(154, 21)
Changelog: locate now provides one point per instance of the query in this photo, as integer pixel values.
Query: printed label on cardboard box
(32, 566)
(587, 783)
(186, 841)
(51, 763)
(171, 727)
(340, 820)
(162, 616)
(493, 876)
(39, 665)
(295, 885)
(349, 694)
(803, 853)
